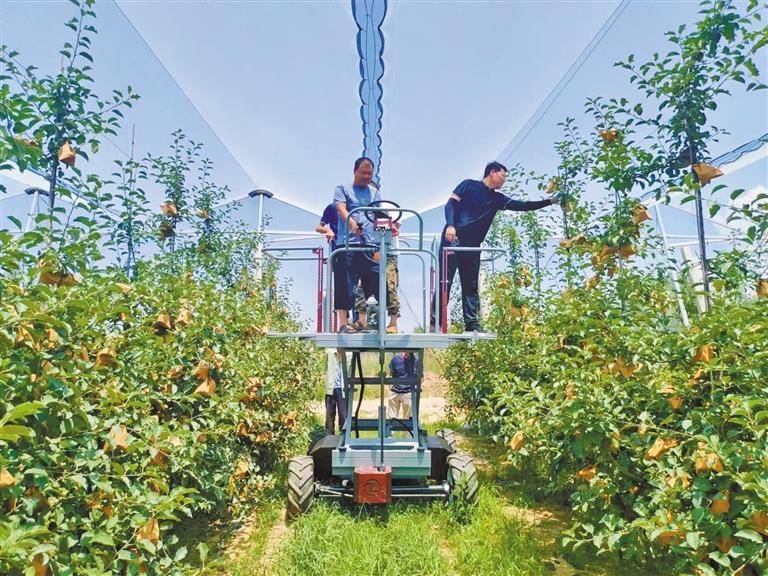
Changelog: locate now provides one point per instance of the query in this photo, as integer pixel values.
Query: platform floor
(370, 340)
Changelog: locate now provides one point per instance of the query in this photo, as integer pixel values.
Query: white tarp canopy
(272, 89)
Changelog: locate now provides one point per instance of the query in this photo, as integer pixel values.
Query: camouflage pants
(393, 281)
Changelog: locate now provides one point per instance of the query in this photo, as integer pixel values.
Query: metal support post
(382, 408)
(319, 252)
(675, 277)
(260, 249)
(382, 303)
(35, 193)
(261, 193)
(444, 291)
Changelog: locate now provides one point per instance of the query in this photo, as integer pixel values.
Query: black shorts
(359, 267)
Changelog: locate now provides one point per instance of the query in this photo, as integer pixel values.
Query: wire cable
(186, 96)
(547, 103)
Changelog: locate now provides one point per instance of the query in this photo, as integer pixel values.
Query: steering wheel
(370, 214)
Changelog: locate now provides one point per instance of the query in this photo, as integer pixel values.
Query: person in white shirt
(335, 402)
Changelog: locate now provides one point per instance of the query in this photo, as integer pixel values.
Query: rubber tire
(449, 436)
(301, 486)
(461, 467)
(314, 436)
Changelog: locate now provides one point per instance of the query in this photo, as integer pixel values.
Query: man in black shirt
(468, 216)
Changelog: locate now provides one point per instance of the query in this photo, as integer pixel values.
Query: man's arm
(451, 209)
(341, 208)
(340, 200)
(523, 206)
(322, 228)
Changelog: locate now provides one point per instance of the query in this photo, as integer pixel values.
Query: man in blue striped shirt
(402, 366)
(360, 265)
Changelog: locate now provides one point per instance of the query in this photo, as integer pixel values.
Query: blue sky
(271, 88)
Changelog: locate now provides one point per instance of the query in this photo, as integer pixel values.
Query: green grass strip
(332, 541)
(413, 539)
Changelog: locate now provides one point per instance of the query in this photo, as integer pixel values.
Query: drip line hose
(404, 426)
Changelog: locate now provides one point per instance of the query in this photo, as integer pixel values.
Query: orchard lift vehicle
(378, 466)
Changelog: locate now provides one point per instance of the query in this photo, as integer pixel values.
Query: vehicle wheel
(316, 434)
(301, 486)
(462, 478)
(449, 436)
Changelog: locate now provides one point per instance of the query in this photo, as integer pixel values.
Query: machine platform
(392, 342)
(394, 457)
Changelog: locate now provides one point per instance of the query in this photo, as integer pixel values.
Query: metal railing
(318, 251)
(447, 251)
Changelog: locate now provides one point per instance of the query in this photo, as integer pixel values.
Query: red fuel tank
(373, 485)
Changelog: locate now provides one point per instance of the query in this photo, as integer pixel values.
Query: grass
(492, 541)
(334, 542)
(412, 539)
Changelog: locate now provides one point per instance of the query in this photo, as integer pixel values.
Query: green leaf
(749, 535)
(22, 410)
(720, 558)
(14, 432)
(42, 549)
(698, 514)
(126, 555)
(202, 550)
(103, 538)
(706, 569)
(80, 480)
(15, 221)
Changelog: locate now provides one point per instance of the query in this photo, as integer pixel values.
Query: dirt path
(277, 534)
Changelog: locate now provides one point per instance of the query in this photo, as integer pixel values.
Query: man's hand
(557, 198)
(329, 235)
(395, 228)
(450, 233)
(354, 227)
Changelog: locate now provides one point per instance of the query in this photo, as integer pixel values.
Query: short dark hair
(363, 159)
(494, 167)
